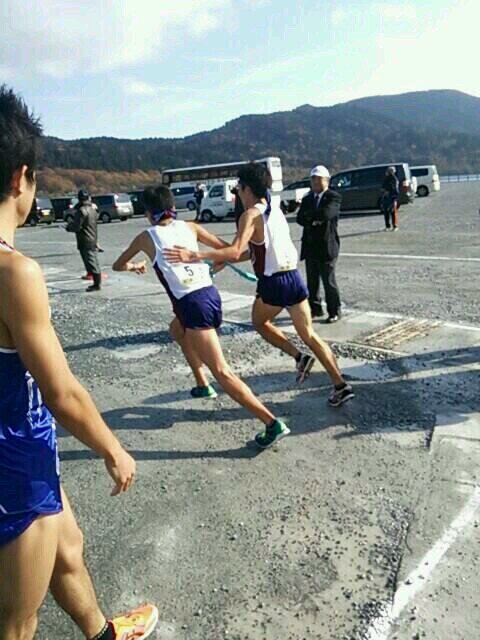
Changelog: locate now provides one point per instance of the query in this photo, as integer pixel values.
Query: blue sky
(148, 68)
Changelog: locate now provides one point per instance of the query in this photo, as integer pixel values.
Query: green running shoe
(273, 433)
(203, 392)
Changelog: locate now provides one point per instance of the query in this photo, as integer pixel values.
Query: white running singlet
(277, 252)
(179, 279)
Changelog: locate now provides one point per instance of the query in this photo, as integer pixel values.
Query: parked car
(219, 201)
(70, 211)
(184, 197)
(137, 201)
(292, 195)
(113, 206)
(41, 212)
(60, 204)
(428, 179)
(361, 187)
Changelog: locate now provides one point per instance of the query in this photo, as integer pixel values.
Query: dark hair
(257, 177)
(160, 198)
(19, 139)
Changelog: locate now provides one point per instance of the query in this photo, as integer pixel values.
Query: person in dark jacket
(199, 194)
(390, 196)
(318, 215)
(84, 225)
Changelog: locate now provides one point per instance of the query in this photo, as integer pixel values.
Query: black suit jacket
(320, 238)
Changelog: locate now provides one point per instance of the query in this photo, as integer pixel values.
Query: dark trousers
(325, 270)
(390, 212)
(90, 260)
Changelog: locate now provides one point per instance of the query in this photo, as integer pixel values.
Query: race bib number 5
(187, 274)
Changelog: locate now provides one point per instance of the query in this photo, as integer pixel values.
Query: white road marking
(381, 627)
(237, 301)
(22, 241)
(66, 281)
(131, 352)
(450, 325)
(53, 271)
(394, 256)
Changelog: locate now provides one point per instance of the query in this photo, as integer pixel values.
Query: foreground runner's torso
(29, 468)
(178, 279)
(276, 252)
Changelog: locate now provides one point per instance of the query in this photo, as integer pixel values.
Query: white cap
(320, 171)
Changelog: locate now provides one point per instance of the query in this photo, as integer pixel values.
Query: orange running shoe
(137, 624)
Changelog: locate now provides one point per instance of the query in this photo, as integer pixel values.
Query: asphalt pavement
(364, 523)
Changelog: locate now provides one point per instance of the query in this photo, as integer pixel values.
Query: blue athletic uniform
(29, 467)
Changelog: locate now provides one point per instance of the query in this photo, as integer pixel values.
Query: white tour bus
(214, 173)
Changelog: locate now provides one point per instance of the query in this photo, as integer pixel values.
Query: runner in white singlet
(264, 237)
(195, 300)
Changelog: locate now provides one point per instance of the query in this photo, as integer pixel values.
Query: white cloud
(134, 87)
(280, 69)
(139, 88)
(6, 73)
(383, 11)
(396, 12)
(339, 16)
(217, 59)
(60, 38)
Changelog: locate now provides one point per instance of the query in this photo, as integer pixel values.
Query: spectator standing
(390, 195)
(84, 225)
(199, 194)
(318, 215)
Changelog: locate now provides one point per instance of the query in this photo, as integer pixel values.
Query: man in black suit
(318, 215)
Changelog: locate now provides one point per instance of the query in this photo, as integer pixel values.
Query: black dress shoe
(332, 319)
(317, 313)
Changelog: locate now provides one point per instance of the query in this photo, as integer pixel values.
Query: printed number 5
(190, 271)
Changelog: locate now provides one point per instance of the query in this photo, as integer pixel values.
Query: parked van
(428, 179)
(41, 212)
(361, 187)
(219, 201)
(61, 204)
(137, 202)
(184, 197)
(292, 195)
(113, 206)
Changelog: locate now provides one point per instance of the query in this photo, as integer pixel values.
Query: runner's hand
(218, 266)
(121, 468)
(140, 267)
(180, 254)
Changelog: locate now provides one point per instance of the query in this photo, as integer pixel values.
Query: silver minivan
(113, 206)
(361, 187)
(184, 197)
(428, 179)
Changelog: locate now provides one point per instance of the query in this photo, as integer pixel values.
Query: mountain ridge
(439, 126)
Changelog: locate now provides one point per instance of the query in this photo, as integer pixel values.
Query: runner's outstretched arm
(213, 241)
(230, 253)
(26, 313)
(142, 243)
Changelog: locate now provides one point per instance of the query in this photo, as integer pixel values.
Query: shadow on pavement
(396, 404)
